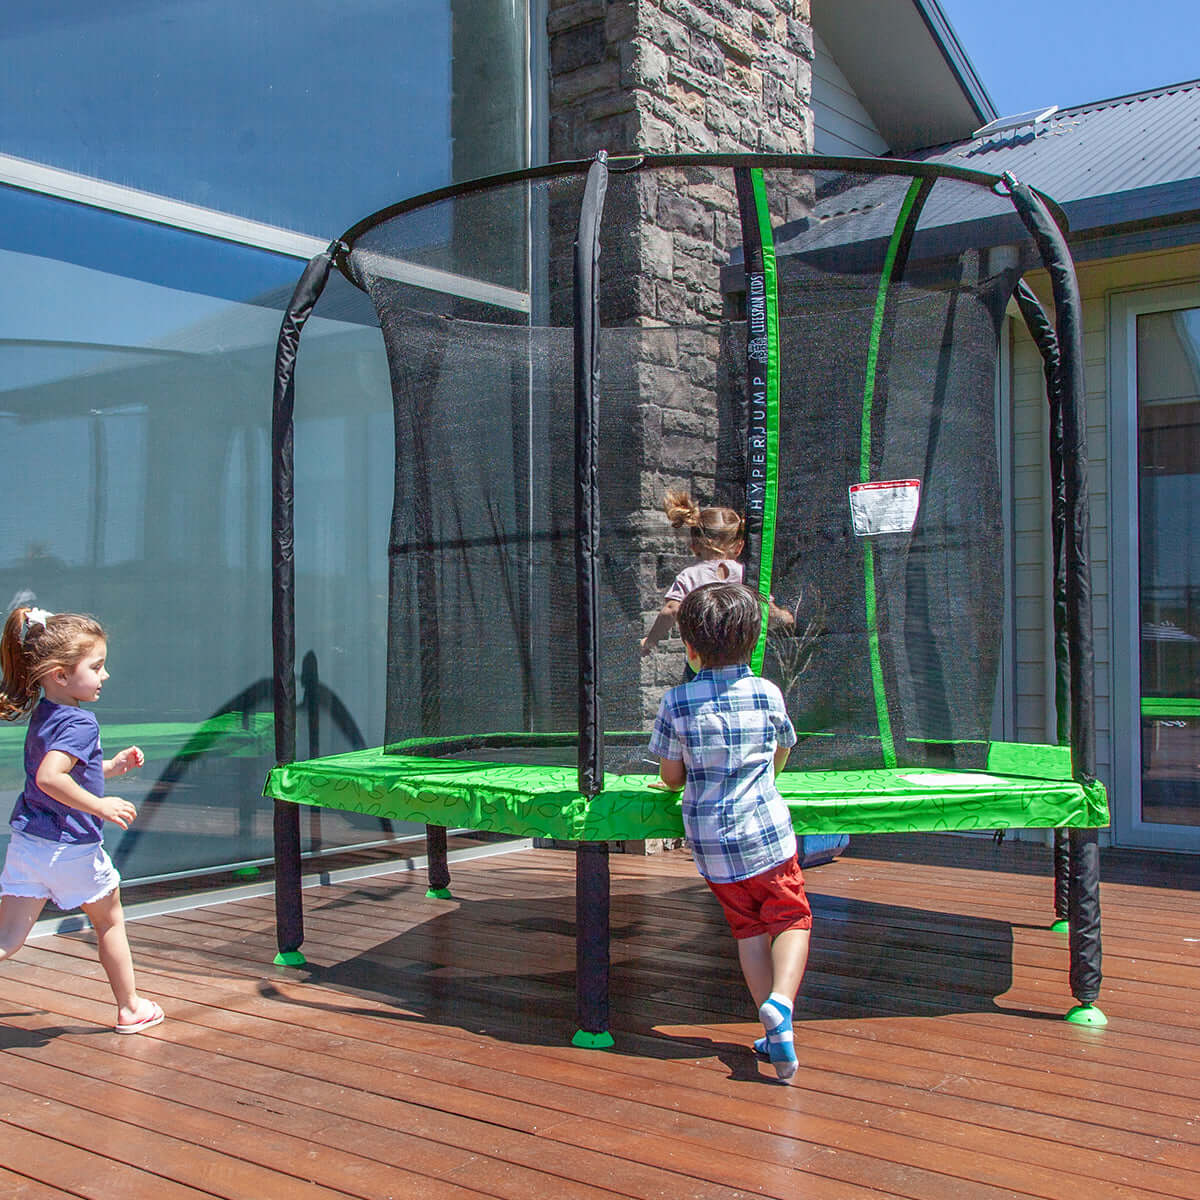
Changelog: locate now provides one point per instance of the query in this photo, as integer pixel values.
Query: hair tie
(35, 616)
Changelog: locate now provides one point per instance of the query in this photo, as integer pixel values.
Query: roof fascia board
(1138, 208)
(146, 206)
(177, 214)
(907, 69)
(956, 59)
(1174, 236)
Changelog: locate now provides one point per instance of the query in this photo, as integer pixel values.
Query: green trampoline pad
(544, 801)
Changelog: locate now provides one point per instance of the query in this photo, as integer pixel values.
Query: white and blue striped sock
(776, 1016)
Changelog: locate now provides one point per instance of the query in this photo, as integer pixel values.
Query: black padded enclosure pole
(1084, 887)
(1042, 331)
(289, 916)
(591, 858)
(587, 502)
(1044, 336)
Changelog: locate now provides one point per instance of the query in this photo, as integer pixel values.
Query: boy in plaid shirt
(722, 737)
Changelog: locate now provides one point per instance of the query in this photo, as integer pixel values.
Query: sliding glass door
(1159, 335)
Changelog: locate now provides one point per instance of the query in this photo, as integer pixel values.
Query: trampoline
(810, 340)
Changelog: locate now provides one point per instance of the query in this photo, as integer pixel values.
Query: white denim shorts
(69, 873)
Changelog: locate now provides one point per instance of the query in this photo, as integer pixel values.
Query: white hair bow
(35, 616)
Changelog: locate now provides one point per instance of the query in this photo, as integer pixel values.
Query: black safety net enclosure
(811, 342)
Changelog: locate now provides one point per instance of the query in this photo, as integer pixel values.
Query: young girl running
(56, 852)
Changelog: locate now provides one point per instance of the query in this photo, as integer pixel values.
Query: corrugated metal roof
(1132, 158)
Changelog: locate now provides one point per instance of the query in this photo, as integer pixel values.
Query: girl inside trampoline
(56, 852)
(718, 535)
(722, 736)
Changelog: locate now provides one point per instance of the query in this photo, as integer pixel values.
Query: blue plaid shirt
(725, 726)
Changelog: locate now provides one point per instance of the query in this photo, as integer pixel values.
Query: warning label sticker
(889, 506)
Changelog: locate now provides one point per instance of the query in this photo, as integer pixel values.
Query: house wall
(840, 123)
(673, 76)
(1031, 502)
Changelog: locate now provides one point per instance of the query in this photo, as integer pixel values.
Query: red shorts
(768, 903)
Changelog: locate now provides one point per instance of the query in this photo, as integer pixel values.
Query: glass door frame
(1129, 829)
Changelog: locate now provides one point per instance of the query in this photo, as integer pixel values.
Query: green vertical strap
(887, 744)
(766, 558)
(886, 740)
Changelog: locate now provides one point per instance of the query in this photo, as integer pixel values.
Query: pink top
(707, 570)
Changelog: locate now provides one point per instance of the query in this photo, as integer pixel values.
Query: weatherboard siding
(841, 124)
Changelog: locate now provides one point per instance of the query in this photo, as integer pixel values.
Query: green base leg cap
(290, 958)
(438, 894)
(1086, 1014)
(1062, 925)
(592, 1041)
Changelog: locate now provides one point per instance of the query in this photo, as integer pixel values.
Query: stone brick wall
(672, 76)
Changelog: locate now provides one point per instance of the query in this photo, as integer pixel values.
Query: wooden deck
(424, 1051)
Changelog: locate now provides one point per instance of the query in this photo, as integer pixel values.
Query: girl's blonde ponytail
(717, 529)
(681, 509)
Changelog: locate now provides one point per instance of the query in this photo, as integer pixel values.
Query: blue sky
(1042, 52)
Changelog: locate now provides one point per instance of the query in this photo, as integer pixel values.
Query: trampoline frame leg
(289, 903)
(438, 863)
(1084, 933)
(592, 893)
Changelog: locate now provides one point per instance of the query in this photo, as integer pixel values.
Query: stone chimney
(672, 77)
(676, 77)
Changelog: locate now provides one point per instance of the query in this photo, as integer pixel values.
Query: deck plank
(425, 1048)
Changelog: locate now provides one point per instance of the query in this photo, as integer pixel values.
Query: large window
(1156, 456)
(136, 365)
(136, 425)
(302, 116)
(1168, 402)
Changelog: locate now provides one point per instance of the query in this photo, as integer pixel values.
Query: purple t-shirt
(76, 732)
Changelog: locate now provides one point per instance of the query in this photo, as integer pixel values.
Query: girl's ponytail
(681, 509)
(718, 529)
(17, 696)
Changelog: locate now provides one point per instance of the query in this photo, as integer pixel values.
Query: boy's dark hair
(721, 622)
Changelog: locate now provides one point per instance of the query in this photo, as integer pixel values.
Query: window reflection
(1168, 376)
(136, 364)
(136, 424)
(305, 117)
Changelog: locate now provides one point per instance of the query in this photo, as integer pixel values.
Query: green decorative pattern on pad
(541, 801)
(925, 800)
